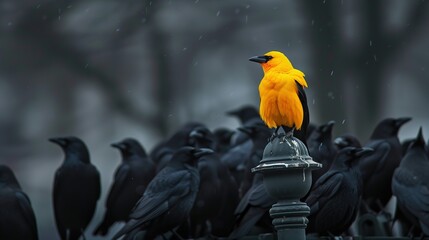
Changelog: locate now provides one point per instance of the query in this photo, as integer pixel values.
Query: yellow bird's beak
(259, 59)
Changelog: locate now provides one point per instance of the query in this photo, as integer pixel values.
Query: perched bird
(310, 128)
(223, 138)
(130, 181)
(76, 189)
(17, 219)
(201, 137)
(213, 211)
(410, 184)
(222, 222)
(168, 198)
(247, 115)
(235, 158)
(161, 154)
(283, 100)
(377, 168)
(334, 199)
(405, 144)
(259, 134)
(322, 148)
(347, 140)
(252, 211)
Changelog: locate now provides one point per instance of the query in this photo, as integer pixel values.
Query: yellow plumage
(280, 104)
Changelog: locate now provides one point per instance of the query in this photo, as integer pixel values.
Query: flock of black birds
(198, 184)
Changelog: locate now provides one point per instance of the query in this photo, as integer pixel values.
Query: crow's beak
(202, 151)
(328, 127)
(245, 130)
(341, 142)
(232, 113)
(401, 121)
(60, 141)
(119, 146)
(363, 151)
(196, 134)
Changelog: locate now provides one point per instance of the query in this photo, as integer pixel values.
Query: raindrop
(324, 1)
(331, 95)
(312, 22)
(170, 115)
(332, 72)
(314, 101)
(344, 121)
(375, 58)
(86, 65)
(184, 49)
(200, 37)
(118, 29)
(218, 13)
(196, 1)
(9, 23)
(69, 6)
(247, 18)
(248, 6)
(370, 43)
(38, 6)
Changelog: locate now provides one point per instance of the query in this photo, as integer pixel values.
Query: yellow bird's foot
(282, 134)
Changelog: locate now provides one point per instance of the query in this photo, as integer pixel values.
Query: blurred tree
(353, 49)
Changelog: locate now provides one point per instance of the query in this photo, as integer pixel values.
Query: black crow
(223, 139)
(213, 211)
(130, 181)
(311, 127)
(410, 184)
(247, 115)
(76, 189)
(168, 198)
(17, 219)
(161, 154)
(334, 199)
(347, 140)
(253, 210)
(235, 158)
(377, 168)
(322, 149)
(259, 134)
(202, 137)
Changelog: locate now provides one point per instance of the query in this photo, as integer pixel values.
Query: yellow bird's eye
(268, 58)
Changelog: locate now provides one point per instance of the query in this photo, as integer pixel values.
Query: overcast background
(105, 70)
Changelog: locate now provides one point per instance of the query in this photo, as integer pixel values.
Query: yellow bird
(283, 100)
